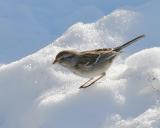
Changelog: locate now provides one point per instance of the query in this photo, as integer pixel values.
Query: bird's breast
(91, 71)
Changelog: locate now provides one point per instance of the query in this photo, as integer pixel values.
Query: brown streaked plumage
(91, 63)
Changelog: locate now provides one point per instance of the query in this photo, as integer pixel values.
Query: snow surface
(36, 94)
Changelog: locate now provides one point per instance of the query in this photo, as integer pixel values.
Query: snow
(36, 94)
(148, 119)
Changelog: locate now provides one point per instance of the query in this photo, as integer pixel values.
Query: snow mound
(149, 119)
(102, 33)
(36, 94)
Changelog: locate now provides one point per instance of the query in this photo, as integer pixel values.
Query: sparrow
(91, 64)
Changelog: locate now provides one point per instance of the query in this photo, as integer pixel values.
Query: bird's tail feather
(117, 49)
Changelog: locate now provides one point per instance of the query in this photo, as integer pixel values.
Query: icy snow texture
(36, 94)
(149, 119)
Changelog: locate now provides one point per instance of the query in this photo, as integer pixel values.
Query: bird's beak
(55, 61)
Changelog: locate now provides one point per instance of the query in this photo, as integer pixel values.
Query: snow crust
(36, 94)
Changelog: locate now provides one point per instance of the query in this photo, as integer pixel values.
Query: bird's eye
(66, 58)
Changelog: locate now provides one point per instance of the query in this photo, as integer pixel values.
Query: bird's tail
(117, 49)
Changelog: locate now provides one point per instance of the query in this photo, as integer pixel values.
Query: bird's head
(66, 58)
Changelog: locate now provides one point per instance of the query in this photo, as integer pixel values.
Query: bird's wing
(91, 58)
(88, 59)
(99, 50)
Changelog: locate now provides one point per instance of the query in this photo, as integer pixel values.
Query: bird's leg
(101, 76)
(83, 85)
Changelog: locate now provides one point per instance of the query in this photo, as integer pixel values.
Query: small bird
(90, 64)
